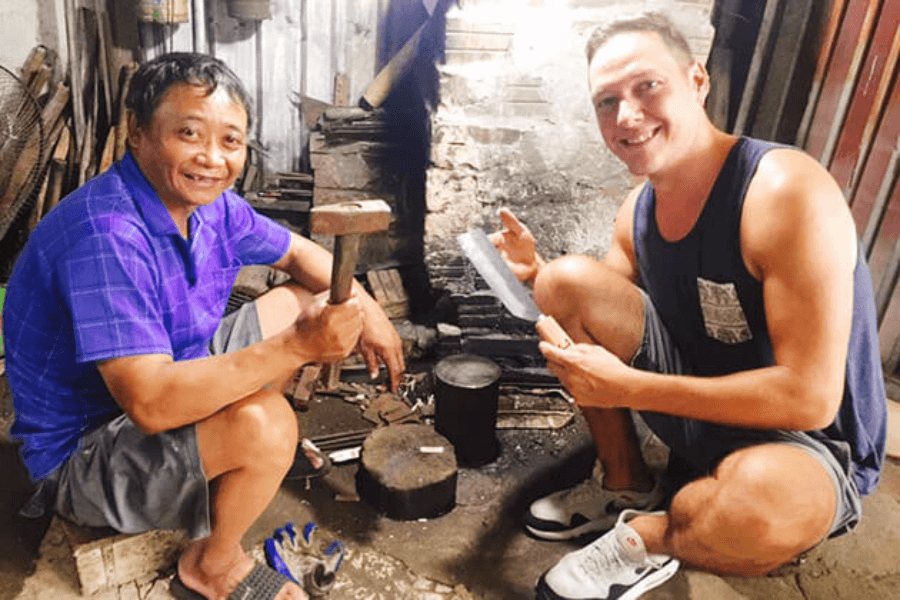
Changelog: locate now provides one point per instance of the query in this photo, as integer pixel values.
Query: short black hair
(153, 79)
(649, 22)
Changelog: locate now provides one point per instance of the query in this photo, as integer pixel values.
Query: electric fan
(22, 146)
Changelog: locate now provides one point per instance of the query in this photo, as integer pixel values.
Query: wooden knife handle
(550, 331)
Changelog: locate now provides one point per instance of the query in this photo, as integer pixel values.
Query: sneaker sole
(569, 534)
(654, 580)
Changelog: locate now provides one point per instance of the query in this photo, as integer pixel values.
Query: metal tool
(486, 259)
(347, 222)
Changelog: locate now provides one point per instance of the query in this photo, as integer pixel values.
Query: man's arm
(798, 238)
(159, 393)
(620, 256)
(310, 265)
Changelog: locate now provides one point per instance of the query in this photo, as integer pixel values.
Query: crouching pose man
(734, 310)
(138, 406)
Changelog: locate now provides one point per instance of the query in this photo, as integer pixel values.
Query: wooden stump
(408, 472)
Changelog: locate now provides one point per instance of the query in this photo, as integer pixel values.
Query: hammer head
(345, 218)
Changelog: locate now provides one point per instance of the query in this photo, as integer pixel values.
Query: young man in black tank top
(751, 397)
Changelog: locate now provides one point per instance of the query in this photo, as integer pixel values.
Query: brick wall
(515, 128)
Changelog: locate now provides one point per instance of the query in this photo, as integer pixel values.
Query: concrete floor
(478, 550)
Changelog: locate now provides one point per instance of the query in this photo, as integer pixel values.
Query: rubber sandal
(303, 467)
(262, 583)
(181, 591)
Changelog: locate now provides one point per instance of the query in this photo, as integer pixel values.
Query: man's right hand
(516, 245)
(329, 332)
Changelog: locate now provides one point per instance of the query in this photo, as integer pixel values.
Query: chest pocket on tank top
(723, 316)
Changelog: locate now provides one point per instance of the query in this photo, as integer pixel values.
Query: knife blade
(487, 260)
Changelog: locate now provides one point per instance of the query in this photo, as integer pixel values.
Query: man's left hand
(380, 342)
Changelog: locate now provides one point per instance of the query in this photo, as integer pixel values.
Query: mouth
(201, 179)
(638, 140)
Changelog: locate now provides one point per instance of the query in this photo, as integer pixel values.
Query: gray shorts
(700, 446)
(122, 478)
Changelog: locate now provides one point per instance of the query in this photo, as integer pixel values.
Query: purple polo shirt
(106, 274)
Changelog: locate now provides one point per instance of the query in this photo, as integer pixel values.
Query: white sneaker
(585, 508)
(615, 566)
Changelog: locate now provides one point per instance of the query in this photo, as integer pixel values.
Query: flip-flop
(303, 467)
(262, 583)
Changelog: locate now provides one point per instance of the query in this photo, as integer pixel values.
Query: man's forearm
(161, 394)
(766, 398)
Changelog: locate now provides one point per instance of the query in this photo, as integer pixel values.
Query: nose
(212, 154)
(629, 112)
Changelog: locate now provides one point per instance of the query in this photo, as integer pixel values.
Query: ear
(134, 130)
(699, 80)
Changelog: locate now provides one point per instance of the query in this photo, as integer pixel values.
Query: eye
(188, 133)
(650, 85)
(607, 105)
(234, 142)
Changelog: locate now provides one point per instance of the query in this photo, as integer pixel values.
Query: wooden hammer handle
(552, 332)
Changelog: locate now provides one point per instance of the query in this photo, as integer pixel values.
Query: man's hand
(329, 332)
(516, 245)
(590, 373)
(380, 341)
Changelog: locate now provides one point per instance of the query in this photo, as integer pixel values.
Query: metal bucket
(249, 9)
(466, 394)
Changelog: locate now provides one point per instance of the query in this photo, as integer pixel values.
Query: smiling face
(193, 148)
(648, 105)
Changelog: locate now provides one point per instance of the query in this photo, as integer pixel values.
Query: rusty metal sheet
(877, 163)
(829, 37)
(868, 98)
(843, 69)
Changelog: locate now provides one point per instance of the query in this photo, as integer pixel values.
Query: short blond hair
(649, 22)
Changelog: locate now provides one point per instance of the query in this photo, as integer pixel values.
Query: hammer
(347, 222)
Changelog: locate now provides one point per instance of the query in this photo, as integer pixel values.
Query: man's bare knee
(258, 432)
(563, 276)
(754, 514)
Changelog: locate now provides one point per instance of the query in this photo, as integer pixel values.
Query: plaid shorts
(699, 446)
(122, 478)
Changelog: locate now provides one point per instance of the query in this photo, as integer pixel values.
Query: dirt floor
(476, 551)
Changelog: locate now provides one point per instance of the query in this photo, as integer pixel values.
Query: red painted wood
(874, 171)
(829, 36)
(868, 97)
(846, 59)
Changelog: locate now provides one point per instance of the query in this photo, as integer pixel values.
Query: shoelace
(604, 558)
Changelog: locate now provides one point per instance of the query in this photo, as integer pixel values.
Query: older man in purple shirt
(138, 406)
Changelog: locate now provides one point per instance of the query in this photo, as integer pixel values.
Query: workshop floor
(478, 550)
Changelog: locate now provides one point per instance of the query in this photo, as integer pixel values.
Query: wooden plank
(867, 105)
(38, 208)
(108, 153)
(39, 80)
(789, 38)
(829, 36)
(888, 283)
(128, 72)
(877, 162)
(280, 76)
(756, 70)
(362, 51)
(880, 205)
(76, 76)
(105, 562)
(36, 59)
(839, 82)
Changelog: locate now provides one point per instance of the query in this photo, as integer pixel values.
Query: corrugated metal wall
(299, 51)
